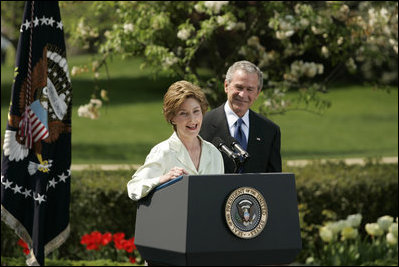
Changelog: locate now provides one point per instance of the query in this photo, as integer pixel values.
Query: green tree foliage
(11, 17)
(299, 45)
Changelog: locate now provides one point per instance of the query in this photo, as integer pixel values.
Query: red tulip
(24, 245)
(106, 238)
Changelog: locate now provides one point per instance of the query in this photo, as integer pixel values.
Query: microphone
(218, 142)
(236, 145)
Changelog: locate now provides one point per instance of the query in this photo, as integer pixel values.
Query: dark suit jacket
(264, 140)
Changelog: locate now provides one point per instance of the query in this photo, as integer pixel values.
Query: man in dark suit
(260, 136)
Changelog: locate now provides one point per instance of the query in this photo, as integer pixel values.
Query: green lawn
(360, 123)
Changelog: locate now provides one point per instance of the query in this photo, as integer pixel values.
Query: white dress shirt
(168, 154)
(232, 118)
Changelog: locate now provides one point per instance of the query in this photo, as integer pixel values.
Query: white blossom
(340, 40)
(128, 27)
(183, 34)
(354, 220)
(169, 61)
(394, 229)
(349, 233)
(215, 6)
(304, 22)
(336, 227)
(82, 28)
(199, 7)
(96, 103)
(394, 44)
(300, 68)
(373, 229)
(90, 110)
(350, 64)
(385, 222)
(289, 33)
(324, 51)
(229, 24)
(310, 261)
(221, 20)
(267, 58)
(316, 30)
(326, 234)
(107, 34)
(391, 239)
(343, 13)
(74, 71)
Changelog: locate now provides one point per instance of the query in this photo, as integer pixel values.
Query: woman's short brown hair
(177, 93)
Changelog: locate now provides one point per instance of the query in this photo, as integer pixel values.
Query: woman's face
(188, 118)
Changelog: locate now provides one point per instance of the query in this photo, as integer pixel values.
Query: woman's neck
(190, 143)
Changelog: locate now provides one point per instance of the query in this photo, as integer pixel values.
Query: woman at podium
(184, 152)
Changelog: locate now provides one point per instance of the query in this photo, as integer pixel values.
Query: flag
(35, 170)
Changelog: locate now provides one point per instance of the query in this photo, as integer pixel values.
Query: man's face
(242, 91)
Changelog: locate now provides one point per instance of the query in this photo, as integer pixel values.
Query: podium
(195, 220)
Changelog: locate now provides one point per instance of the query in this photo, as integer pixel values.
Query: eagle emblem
(246, 212)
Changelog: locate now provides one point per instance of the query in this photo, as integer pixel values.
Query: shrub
(335, 190)
(99, 202)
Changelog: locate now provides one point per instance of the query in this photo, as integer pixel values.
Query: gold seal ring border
(263, 211)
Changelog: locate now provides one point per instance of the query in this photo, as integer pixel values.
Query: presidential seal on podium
(246, 212)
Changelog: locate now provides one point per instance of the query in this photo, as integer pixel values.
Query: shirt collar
(177, 144)
(182, 154)
(232, 117)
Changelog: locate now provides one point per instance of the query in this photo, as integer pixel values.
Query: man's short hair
(248, 67)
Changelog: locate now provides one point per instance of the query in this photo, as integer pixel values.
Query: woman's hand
(172, 174)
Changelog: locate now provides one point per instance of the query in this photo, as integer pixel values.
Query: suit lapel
(255, 137)
(220, 119)
(220, 128)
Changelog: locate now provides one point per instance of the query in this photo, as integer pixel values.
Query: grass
(360, 123)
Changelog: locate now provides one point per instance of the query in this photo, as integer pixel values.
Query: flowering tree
(300, 46)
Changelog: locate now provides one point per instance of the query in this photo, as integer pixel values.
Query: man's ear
(225, 86)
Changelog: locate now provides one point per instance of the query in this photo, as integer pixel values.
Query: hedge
(99, 202)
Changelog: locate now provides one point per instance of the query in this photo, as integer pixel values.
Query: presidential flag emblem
(35, 169)
(246, 212)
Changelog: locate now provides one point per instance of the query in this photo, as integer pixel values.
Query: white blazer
(168, 154)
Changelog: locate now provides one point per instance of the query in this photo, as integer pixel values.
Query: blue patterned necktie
(239, 134)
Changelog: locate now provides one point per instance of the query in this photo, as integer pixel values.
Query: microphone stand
(239, 162)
